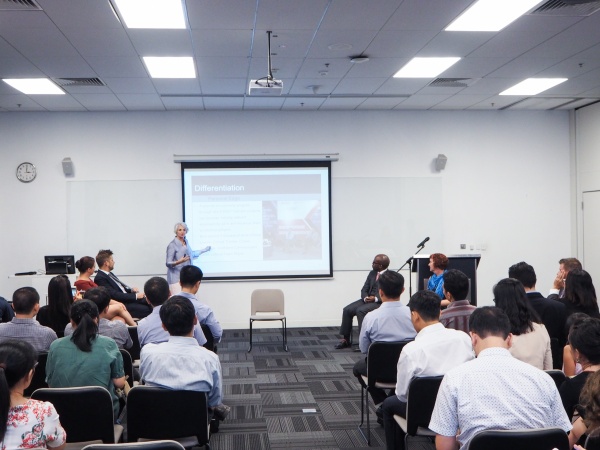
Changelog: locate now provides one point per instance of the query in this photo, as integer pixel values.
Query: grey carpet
(272, 393)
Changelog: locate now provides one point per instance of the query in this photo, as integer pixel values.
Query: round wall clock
(26, 172)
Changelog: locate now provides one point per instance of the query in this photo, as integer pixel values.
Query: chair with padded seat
(156, 414)
(268, 305)
(528, 439)
(39, 376)
(86, 414)
(382, 364)
(148, 445)
(423, 391)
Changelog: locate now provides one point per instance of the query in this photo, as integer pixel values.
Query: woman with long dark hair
(86, 266)
(530, 341)
(580, 294)
(86, 358)
(24, 423)
(60, 298)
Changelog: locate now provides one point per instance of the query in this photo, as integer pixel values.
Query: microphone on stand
(422, 244)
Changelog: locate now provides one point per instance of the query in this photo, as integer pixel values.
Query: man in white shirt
(495, 390)
(389, 323)
(435, 350)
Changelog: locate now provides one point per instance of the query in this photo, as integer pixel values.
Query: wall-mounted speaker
(440, 162)
(68, 168)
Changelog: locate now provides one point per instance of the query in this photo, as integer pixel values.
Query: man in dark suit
(133, 300)
(552, 312)
(368, 302)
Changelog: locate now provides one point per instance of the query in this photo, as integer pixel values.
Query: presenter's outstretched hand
(206, 249)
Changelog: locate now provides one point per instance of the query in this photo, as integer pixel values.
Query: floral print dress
(34, 424)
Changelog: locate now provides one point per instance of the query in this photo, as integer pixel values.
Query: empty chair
(39, 376)
(538, 439)
(86, 414)
(149, 445)
(423, 392)
(382, 365)
(268, 304)
(157, 414)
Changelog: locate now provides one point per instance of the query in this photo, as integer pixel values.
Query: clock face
(26, 172)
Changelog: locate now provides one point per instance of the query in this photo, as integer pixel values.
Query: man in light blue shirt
(180, 363)
(389, 323)
(190, 278)
(150, 329)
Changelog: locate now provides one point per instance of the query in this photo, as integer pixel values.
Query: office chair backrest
(538, 439)
(135, 349)
(127, 365)
(267, 300)
(39, 377)
(423, 391)
(558, 376)
(157, 413)
(382, 362)
(210, 340)
(149, 445)
(86, 413)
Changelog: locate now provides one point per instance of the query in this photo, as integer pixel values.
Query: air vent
(567, 8)
(19, 5)
(451, 82)
(71, 82)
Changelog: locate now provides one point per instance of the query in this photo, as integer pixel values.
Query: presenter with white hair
(179, 255)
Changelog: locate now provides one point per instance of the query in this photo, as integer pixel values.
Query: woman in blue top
(437, 264)
(179, 255)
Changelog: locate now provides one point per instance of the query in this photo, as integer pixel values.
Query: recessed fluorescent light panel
(34, 86)
(533, 86)
(425, 67)
(158, 14)
(491, 15)
(170, 67)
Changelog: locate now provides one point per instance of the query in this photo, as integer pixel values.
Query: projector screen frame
(258, 165)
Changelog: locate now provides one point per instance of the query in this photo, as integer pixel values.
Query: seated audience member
(86, 358)
(456, 289)
(130, 297)
(150, 329)
(369, 301)
(190, 278)
(390, 323)
(495, 390)
(580, 294)
(86, 266)
(570, 366)
(552, 312)
(530, 340)
(180, 363)
(26, 302)
(116, 330)
(437, 264)
(585, 344)
(60, 298)
(24, 423)
(6, 312)
(565, 265)
(434, 351)
(589, 410)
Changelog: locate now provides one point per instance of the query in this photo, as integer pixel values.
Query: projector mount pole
(270, 73)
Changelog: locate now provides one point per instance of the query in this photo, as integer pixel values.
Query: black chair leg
(250, 348)
(364, 405)
(284, 323)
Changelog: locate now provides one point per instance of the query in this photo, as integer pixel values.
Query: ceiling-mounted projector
(266, 86)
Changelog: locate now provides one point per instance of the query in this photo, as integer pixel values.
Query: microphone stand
(409, 261)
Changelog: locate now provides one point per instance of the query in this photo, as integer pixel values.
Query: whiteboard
(384, 215)
(135, 219)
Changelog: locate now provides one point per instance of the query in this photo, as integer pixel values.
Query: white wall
(506, 184)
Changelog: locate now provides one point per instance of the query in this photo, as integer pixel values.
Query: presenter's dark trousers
(138, 310)
(359, 309)
(394, 436)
